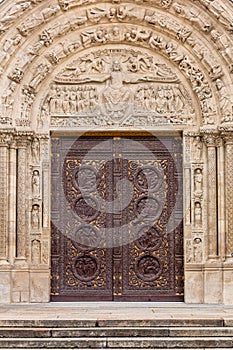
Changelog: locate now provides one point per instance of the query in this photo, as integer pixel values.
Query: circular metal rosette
(148, 209)
(149, 179)
(86, 208)
(150, 238)
(86, 237)
(84, 179)
(85, 267)
(148, 268)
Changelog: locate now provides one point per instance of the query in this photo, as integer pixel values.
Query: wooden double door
(117, 218)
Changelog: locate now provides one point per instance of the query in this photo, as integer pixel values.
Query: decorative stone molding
(228, 138)
(211, 140)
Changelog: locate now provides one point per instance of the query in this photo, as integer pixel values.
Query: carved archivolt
(195, 36)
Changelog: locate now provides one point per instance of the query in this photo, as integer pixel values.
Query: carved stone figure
(35, 150)
(197, 214)
(8, 100)
(31, 52)
(16, 75)
(193, 15)
(63, 50)
(35, 184)
(173, 52)
(28, 98)
(8, 49)
(40, 73)
(35, 217)
(36, 20)
(189, 251)
(98, 35)
(197, 250)
(36, 252)
(137, 34)
(226, 104)
(198, 181)
(220, 11)
(13, 13)
(198, 146)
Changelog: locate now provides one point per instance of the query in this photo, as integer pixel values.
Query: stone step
(14, 332)
(117, 323)
(119, 343)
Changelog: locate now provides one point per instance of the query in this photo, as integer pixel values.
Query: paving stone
(200, 331)
(162, 323)
(67, 343)
(111, 332)
(183, 343)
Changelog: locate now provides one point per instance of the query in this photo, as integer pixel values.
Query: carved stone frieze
(12, 13)
(68, 4)
(194, 15)
(15, 11)
(114, 87)
(35, 21)
(220, 11)
(186, 64)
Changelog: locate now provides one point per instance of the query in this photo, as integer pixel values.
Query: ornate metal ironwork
(117, 218)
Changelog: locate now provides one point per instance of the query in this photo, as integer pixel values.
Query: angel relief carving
(122, 87)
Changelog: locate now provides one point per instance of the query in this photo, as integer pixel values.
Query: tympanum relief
(117, 87)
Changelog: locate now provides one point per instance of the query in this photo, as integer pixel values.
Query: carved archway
(181, 50)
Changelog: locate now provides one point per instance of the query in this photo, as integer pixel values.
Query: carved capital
(228, 137)
(211, 138)
(22, 141)
(5, 139)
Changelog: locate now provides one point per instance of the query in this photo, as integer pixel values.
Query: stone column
(221, 201)
(229, 192)
(4, 163)
(21, 201)
(12, 201)
(210, 141)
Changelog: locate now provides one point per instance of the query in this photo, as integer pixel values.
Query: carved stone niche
(117, 87)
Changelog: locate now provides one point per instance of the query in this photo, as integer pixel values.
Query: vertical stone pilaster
(4, 163)
(210, 141)
(21, 200)
(229, 192)
(187, 182)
